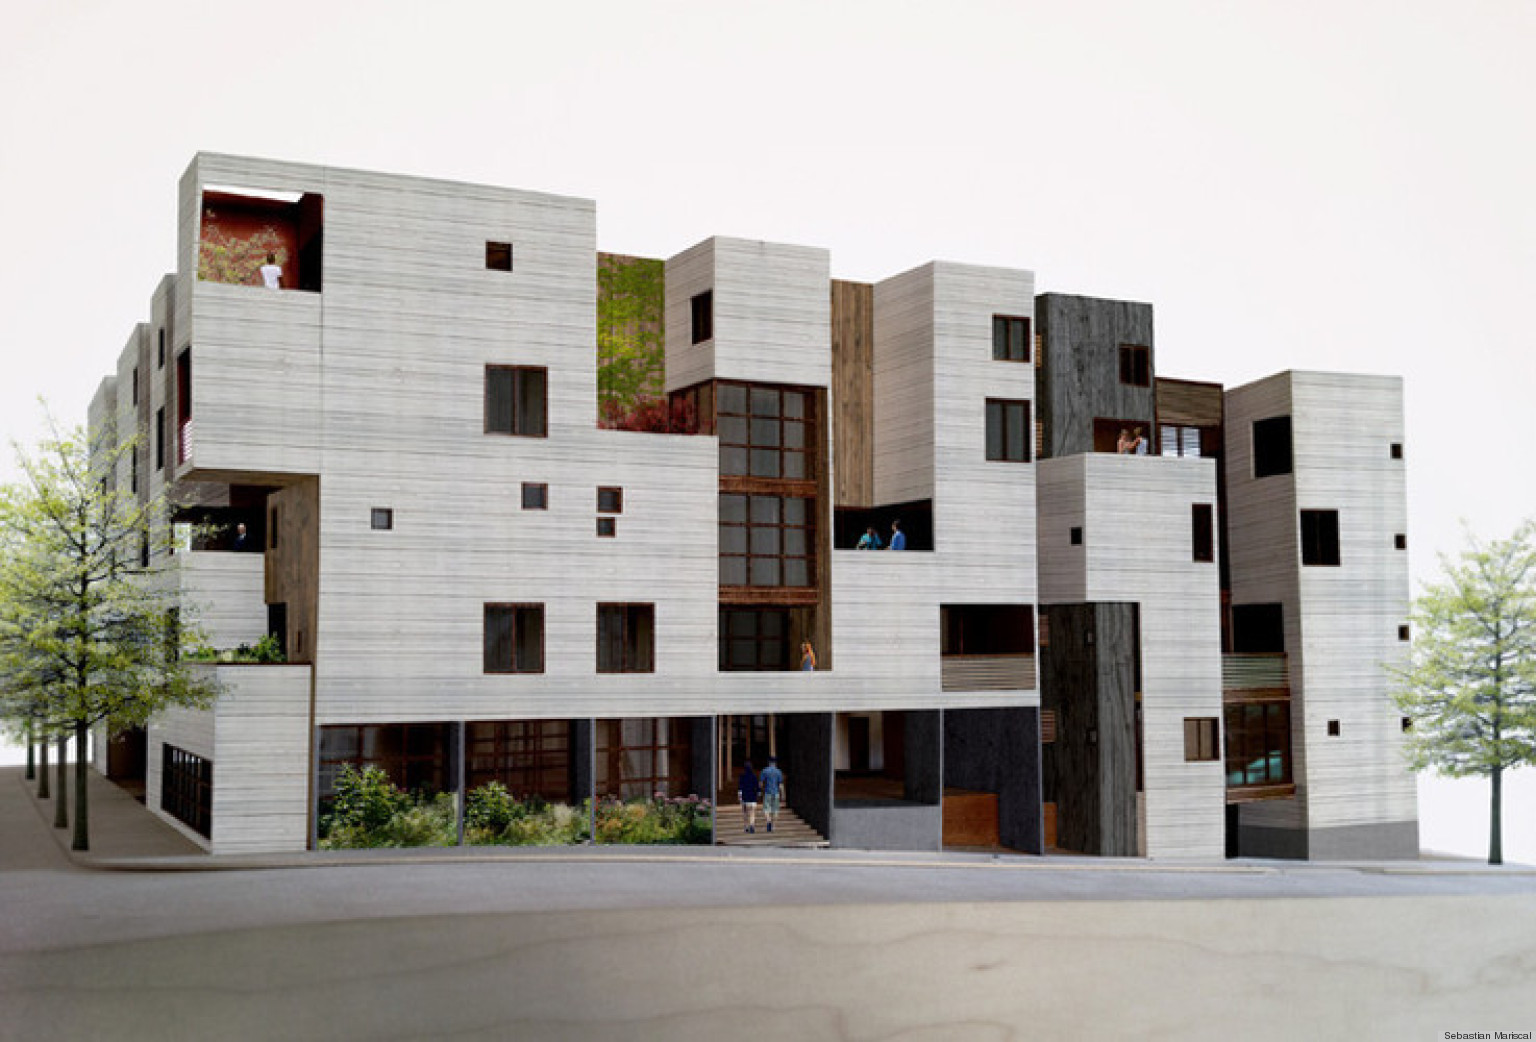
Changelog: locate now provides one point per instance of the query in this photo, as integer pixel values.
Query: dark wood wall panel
(1078, 379)
(853, 388)
(1189, 402)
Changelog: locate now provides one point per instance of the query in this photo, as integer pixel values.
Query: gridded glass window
(1258, 743)
(1010, 339)
(516, 400)
(754, 639)
(186, 788)
(766, 540)
(1008, 430)
(514, 638)
(626, 638)
(1180, 440)
(529, 757)
(765, 432)
(1135, 365)
(639, 757)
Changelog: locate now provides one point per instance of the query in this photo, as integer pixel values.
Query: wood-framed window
(514, 638)
(535, 496)
(607, 527)
(516, 400)
(418, 758)
(498, 256)
(1258, 738)
(626, 638)
(638, 757)
(1008, 430)
(765, 431)
(1320, 537)
(381, 519)
(986, 629)
(701, 313)
(529, 757)
(1202, 531)
(1010, 338)
(186, 788)
(766, 541)
(1271, 446)
(610, 500)
(754, 638)
(1201, 739)
(1135, 365)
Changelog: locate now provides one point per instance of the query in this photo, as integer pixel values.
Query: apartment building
(393, 462)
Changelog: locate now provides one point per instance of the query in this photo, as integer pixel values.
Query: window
(702, 312)
(1333, 728)
(1007, 430)
(607, 527)
(765, 432)
(1200, 742)
(529, 757)
(1076, 536)
(610, 500)
(754, 639)
(418, 758)
(160, 354)
(766, 540)
(535, 496)
(186, 788)
(1397, 450)
(135, 385)
(1258, 629)
(1271, 446)
(1181, 440)
(381, 519)
(1404, 633)
(986, 629)
(1320, 537)
(1258, 743)
(1202, 532)
(626, 638)
(160, 438)
(514, 638)
(272, 518)
(640, 757)
(515, 400)
(1010, 339)
(1135, 365)
(1407, 724)
(1400, 541)
(498, 256)
(133, 470)
(184, 406)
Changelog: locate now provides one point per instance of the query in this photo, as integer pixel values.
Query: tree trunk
(31, 754)
(1496, 818)
(82, 805)
(42, 773)
(61, 784)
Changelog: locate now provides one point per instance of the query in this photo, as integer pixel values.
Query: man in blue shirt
(772, 782)
(898, 537)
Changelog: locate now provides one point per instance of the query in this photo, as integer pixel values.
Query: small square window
(498, 256)
(702, 313)
(1400, 541)
(1397, 450)
(1404, 632)
(607, 527)
(535, 496)
(1333, 728)
(610, 500)
(1200, 739)
(382, 519)
(1077, 537)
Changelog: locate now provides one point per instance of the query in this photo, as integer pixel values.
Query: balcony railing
(1251, 671)
(184, 441)
(987, 673)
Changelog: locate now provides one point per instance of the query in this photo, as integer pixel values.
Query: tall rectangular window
(1007, 430)
(1202, 532)
(135, 385)
(160, 438)
(514, 638)
(1010, 339)
(1135, 365)
(186, 788)
(701, 311)
(1320, 537)
(516, 400)
(1271, 446)
(626, 638)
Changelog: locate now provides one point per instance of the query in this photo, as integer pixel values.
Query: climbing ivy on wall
(631, 294)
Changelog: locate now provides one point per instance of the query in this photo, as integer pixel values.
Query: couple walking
(771, 786)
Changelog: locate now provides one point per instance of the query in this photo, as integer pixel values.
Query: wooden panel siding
(987, 672)
(293, 563)
(853, 389)
(1079, 373)
(1189, 403)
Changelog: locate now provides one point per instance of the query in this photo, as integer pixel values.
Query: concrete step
(788, 830)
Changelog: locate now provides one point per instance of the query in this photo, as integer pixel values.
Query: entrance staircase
(788, 830)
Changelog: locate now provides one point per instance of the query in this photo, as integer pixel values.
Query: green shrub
(660, 819)
(493, 817)
(368, 810)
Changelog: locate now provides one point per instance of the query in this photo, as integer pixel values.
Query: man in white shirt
(272, 273)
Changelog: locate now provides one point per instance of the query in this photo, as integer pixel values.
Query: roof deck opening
(253, 237)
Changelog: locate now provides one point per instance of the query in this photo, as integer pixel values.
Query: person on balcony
(1140, 446)
(807, 656)
(242, 538)
(272, 273)
(898, 537)
(1126, 445)
(870, 540)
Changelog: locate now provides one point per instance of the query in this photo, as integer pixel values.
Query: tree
(88, 633)
(1470, 687)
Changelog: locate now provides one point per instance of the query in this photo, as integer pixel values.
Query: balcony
(1250, 675)
(987, 673)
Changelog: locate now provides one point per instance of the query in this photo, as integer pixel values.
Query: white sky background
(1303, 184)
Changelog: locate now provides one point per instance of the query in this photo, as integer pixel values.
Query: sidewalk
(121, 827)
